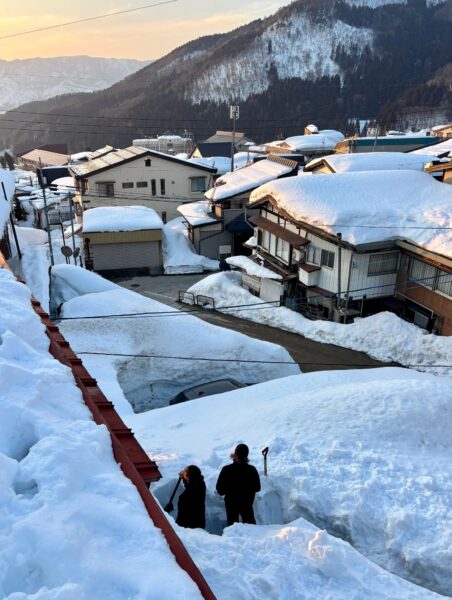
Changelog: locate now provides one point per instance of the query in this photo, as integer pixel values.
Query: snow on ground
(121, 218)
(384, 336)
(179, 256)
(68, 517)
(153, 382)
(392, 204)
(362, 454)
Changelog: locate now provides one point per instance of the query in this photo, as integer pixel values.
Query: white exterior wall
(177, 182)
(360, 279)
(271, 291)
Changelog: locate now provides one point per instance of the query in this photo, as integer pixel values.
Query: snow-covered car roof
(369, 206)
(120, 218)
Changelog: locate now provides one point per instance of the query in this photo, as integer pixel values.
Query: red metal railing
(133, 460)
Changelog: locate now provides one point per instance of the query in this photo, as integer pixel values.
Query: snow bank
(70, 281)
(152, 382)
(398, 204)
(179, 256)
(362, 454)
(120, 218)
(384, 336)
(251, 267)
(8, 181)
(246, 179)
(68, 516)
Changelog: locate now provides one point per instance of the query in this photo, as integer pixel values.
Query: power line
(103, 16)
(250, 306)
(255, 361)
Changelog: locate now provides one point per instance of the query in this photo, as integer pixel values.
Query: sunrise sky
(145, 34)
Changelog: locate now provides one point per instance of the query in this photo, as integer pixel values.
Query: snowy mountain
(33, 79)
(322, 61)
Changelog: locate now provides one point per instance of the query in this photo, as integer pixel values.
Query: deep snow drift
(179, 256)
(152, 382)
(72, 527)
(384, 336)
(363, 454)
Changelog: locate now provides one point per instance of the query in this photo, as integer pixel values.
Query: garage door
(135, 255)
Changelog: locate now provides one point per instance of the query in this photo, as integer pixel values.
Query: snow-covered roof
(221, 163)
(370, 206)
(439, 150)
(7, 179)
(252, 268)
(372, 161)
(120, 218)
(247, 179)
(197, 213)
(326, 139)
(59, 477)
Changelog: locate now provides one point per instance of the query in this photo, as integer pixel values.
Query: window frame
(142, 184)
(154, 187)
(194, 180)
(330, 254)
(380, 257)
(127, 185)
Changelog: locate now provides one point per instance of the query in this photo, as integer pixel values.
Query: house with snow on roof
(372, 161)
(349, 244)
(140, 176)
(311, 144)
(218, 225)
(123, 238)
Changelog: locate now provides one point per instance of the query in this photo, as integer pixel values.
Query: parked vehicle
(207, 389)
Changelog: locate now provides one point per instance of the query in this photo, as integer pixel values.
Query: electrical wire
(103, 16)
(250, 306)
(255, 361)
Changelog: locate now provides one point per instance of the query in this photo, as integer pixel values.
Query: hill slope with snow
(34, 79)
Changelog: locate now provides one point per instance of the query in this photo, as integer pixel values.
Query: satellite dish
(66, 251)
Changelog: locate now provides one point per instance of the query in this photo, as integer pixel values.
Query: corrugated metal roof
(110, 159)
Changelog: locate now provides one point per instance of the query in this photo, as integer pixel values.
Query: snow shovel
(264, 454)
(169, 507)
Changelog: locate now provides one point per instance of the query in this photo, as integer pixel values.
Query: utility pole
(234, 115)
(71, 205)
(41, 179)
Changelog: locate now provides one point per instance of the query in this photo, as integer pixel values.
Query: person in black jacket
(238, 483)
(191, 506)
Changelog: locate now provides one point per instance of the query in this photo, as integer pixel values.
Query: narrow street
(313, 356)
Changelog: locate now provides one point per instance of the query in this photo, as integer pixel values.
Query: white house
(338, 242)
(140, 176)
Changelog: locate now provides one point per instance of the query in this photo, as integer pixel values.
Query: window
(444, 283)
(127, 185)
(422, 273)
(327, 259)
(198, 184)
(142, 184)
(153, 187)
(106, 189)
(265, 239)
(164, 216)
(162, 187)
(383, 263)
(282, 250)
(147, 162)
(313, 255)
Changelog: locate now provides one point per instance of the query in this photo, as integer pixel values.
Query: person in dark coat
(191, 506)
(238, 483)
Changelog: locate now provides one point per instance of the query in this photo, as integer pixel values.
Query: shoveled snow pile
(174, 345)
(68, 516)
(384, 336)
(179, 256)
(392, 204)
(120, 218)
(364, 455)
(7, 179)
